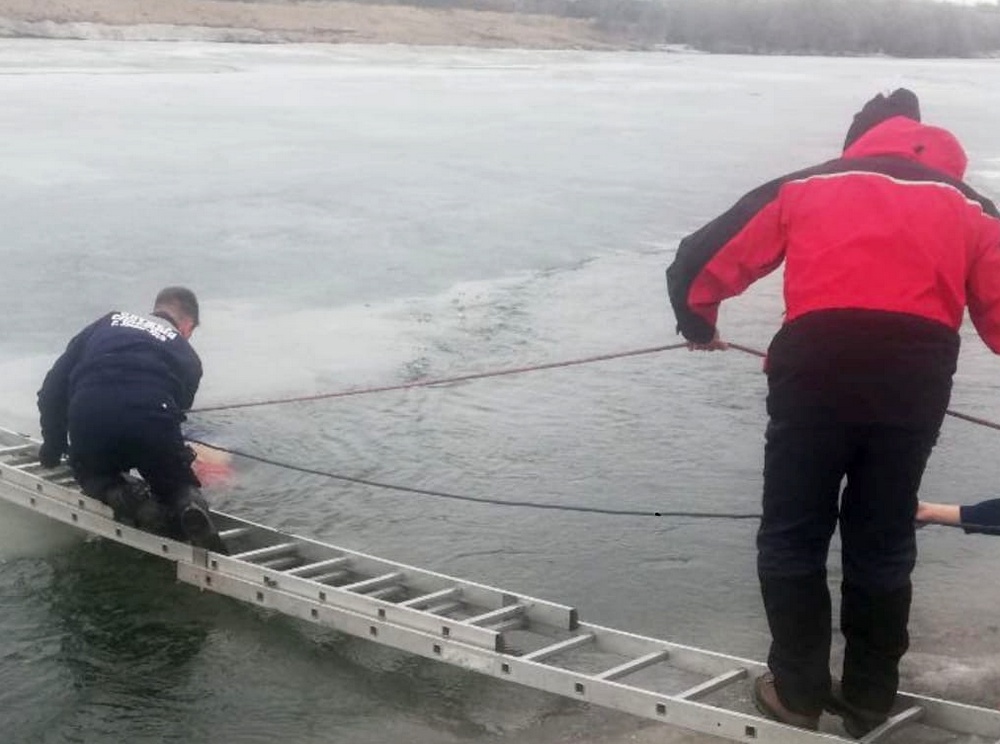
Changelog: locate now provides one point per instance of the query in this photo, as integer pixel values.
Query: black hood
(901, 102)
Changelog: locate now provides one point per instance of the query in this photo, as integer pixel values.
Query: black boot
(134, 505)
(152, 516)
(196, 521)
(122, 499)
(123, 493)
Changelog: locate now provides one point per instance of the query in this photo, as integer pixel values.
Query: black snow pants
(109, 437)
(805, 465)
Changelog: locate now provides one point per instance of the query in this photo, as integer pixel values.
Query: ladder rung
(331, 576)
(509, 624)
(60, 471)
(442, 609)
(425, 599)
(502, 613)
(629, 667)
(556, 648)
(25, 466)
(270, 550)
(280, 563)
(375, 583)
(386, 591)
(311, 569)
(711, 685)
(234, 533)
(893, 723)
(16, 448)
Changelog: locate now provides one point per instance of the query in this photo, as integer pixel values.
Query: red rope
(440, 380)
(506, 502)
(515, 371)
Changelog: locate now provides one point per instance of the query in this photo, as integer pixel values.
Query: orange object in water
(213, 467)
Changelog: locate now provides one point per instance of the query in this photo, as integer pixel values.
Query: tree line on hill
(901, 28)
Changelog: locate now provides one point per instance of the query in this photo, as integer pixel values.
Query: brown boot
(765, 697)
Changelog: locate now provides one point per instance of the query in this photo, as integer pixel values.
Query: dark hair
(901, 102)
(178, 299)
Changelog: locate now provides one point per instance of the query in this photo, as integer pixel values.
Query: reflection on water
(122, 652)
(129, 629)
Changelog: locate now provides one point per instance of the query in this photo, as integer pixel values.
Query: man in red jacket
(884, 248)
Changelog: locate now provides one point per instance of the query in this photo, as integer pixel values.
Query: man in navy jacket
(119, 392)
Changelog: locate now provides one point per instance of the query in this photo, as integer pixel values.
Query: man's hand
(931, 513)
(49, 455)
(716, 344)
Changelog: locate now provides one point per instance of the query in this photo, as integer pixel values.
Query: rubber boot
(134, 505)
(121, 497)
(152, 516)
(196, 523)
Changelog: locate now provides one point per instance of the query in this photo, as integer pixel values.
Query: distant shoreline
(621, 25)
(274, 21)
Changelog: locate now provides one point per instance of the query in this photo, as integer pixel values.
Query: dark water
(367, 216)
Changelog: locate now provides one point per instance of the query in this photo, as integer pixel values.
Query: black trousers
(107, 440)
(804, 468)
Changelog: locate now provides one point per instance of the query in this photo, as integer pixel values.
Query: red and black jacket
(884, 248)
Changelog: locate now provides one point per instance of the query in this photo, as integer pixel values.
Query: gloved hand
(50, 454)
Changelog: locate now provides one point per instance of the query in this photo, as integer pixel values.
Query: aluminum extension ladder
(502, 634)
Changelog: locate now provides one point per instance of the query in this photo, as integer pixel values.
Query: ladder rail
(695, 716)
(313, 589)
(405, 625)
(417, 580)
(953, 716)
(892, 724)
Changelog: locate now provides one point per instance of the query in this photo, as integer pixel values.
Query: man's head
(181, 305)
(901, 102)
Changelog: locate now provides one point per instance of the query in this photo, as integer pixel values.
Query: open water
(367, 216)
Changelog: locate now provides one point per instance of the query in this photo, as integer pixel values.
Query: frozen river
(363, 216)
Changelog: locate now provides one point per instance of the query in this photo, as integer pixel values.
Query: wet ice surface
(366, 216)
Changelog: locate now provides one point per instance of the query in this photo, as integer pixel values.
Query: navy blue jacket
(983, 517)
(129, 360)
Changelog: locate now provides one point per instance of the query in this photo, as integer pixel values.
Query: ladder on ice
(502, 634)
